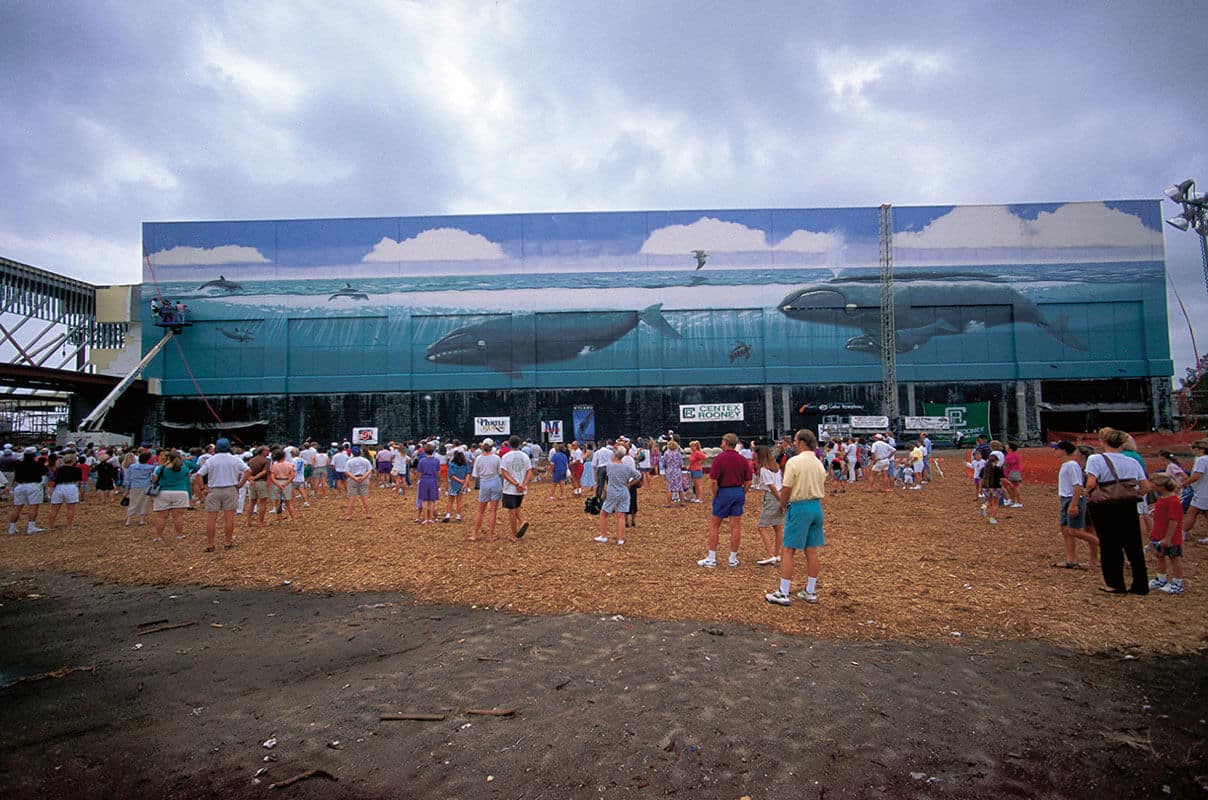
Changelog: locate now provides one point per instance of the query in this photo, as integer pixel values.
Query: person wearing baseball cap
(218, 481)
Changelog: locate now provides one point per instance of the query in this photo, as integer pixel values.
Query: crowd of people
(791, 476)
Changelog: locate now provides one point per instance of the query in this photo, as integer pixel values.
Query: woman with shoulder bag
(1114, 484)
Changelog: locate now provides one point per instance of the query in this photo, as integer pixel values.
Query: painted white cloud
(224, 254)
(719, 236)
(437, 244)
(1071, 225)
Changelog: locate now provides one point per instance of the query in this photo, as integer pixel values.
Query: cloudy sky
(124, 112)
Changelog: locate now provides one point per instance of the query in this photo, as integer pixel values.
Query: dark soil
(604, 706)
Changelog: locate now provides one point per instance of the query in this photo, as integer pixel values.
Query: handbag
(1127, 490)
(154, 489)
(125, 501)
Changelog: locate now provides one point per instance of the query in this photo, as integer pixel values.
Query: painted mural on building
(660, 298)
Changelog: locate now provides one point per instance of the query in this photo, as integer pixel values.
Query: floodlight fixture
(1179, 222)
(1178, 192)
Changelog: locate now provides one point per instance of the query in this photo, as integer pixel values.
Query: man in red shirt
(731, 473)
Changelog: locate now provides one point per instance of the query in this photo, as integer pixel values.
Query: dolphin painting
(700, 255)
(923, 309)
(509, 344)
(349, 292)
(239, 334)
(221, 283)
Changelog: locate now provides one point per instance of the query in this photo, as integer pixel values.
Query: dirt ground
(631, 670)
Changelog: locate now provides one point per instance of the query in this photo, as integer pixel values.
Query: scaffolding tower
(889, 338)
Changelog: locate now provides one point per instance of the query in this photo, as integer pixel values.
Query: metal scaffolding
(68, 309)
(889, 338)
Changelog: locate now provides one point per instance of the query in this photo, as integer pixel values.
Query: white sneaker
(992, 521)
(778, 599)
(620, 541)
(1172, 588)
(12, 529)
(305, 504)
(733, 561)
(983, 509)
(34, 529)
(1204, 540)
(601, 539)
(763, 562)
(707, 562)
(809, 597)
(1157, 583)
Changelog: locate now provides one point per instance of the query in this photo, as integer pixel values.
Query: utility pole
(889, 337)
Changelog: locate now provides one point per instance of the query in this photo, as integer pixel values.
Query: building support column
(909, 412)
(785, 420)
(769, 413)
(1021, 411)
(1162, 403)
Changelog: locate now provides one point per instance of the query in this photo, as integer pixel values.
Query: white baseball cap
(489, 441)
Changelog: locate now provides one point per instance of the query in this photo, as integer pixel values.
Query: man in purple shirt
(731, 473)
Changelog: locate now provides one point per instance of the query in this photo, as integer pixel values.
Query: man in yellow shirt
(800, 498)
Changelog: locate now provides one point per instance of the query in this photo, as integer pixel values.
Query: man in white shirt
(357, 472)
(516, 469)
(224, 474)
(882, 459)
(600, 462)
(339, 465)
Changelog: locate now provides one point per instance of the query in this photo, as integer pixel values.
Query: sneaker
(446, 518)
(983, 509)
(601, 539)
(35, 529)
(778, 599)
(1157, 583)
(458, 517)
(809, 597)
(1204, 540)
(305, 504)
(620, 541)
(706, 562)
(763, 562)
(992, 521)
(733, 561)
(1172, 588)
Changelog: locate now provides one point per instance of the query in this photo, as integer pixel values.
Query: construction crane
(173, 322)
(889, 336)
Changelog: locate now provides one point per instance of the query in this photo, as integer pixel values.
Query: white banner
(928, 424)
(364, 435)
(492, 426)
(875, 423)
(552, 428)
(711, 412)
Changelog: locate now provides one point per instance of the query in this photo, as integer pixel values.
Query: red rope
(181, 352)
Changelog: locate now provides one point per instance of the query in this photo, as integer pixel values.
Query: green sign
(971, 419)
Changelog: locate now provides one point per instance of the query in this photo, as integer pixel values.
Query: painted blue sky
(123, 112)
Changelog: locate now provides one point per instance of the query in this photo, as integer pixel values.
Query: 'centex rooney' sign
(711, 412)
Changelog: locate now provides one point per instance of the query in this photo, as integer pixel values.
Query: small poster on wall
(552, 428)
(492, 426)
(364, 435)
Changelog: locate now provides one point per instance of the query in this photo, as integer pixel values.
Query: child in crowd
(977, 466)
(771, 518)
(1166, 538)
(1072, 517)
(992, 477)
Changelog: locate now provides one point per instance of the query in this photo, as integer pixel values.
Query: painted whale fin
(1060, 330)
(653, 316)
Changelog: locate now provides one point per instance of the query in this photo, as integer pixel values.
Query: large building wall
(666, 299)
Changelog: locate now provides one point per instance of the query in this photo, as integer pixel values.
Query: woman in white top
(1197, 481)
(1116, 522)
(771, 517)
(1072, 517)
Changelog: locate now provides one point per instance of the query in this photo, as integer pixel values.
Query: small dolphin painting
(221, 283)
(349, 292)
(239, 334)
(924, 307)
(741, 350)
(701, 255)
(510, 344)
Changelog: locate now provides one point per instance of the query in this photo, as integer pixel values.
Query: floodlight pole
(889, 337)
(1194, 217)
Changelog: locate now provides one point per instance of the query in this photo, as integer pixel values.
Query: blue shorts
(490, 489)
(697, 473)
(1078, 518)
(455, 488)
(340, 476)
(803, 525)
(1167, 551)
(729, 502)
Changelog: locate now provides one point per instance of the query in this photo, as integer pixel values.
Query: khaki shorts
(358, 489)
(223, 498)
(168, 500)
(276, 492)
(258, 490)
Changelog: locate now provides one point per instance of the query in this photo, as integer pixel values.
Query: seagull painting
(701, 255)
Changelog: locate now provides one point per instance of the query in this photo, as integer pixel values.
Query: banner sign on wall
(492, 426)
(870, 423)
(552, 428)
(711, 412)
(927, 424)
(585, 423)
(364, 435)
(971, 419)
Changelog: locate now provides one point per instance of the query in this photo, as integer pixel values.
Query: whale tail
(653, 316)
(1059, 329)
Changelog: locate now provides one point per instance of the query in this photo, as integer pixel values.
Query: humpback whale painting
(511, 344)
(738, 297)
(923, 308)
